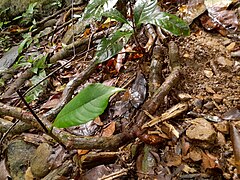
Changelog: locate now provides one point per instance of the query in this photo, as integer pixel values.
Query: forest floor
(196, 129)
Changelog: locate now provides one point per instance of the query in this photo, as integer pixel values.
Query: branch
(70, 141)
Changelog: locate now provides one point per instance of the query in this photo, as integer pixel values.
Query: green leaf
(115, 14)
(95, 8)
(149, 12)
(109, 47)
(143, 11)
(26, 42)
(87, 105)
(35, 92)
(171, 23)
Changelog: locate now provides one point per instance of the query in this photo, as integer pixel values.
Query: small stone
(231, 46)
(222, 127)
(209, 89)
(235, 54)
(201, 130)
(184, 96)
(198, 103)
(40, 166)
(195, 154)
(226, 42)
(208, 73)
(221, 139)
(209, 105)
(224, 61)
(218, 98)
(186, 55)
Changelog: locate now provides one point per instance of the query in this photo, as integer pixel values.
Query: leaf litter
(185, 145)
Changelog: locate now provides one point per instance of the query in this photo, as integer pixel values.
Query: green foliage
(96, 8)
(87, 105)
(115, 14)
(25, 43)
(39, 89)
(92, 101)
(145, 11)
(111, 46)
(28, 16)
(148, 12)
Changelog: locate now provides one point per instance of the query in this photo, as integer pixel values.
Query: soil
(198, 143)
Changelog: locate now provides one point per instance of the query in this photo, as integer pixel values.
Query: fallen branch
(69, 49)
(70, 141)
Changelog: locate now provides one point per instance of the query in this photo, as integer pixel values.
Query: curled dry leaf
(109, 130)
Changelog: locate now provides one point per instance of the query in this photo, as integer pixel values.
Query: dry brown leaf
(109, 130)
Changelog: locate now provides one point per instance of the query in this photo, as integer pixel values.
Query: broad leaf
(171, 23)
(143, 11)
(115, 14)
(96, 8)
(87, 105)
(148, 12)
(109, 47)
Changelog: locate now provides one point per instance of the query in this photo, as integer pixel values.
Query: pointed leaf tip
(87, 105)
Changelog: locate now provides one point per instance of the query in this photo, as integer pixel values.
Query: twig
(68, 140)
(60, 67)
(7, 132)
(33, 113)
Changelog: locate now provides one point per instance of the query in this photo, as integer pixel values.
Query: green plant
(28, 16)
(92, 100)
(87, 105)
(144, 12)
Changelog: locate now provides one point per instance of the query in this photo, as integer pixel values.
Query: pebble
(222, 127)
(218, 98)
(224, 61)
(39, 163)
(235, 54)
(209, 105)
(184, 96)
(208, 73)
(201, 130)
(198, 103)
(231, 46)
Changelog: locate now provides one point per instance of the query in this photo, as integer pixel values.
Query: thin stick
(56, 70)
(33, 113)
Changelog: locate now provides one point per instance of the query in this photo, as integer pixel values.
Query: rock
(218, 98)
(40, 166)
(222, 127)
(184, 96)
(8, 58)
(195, 154)
(224, 61)
(231, 46)
(198, 103)
(208, 73)
(226, 42)
(209, 105)
(210, 89)
(19, 154)
(201, 130)
(235, 54)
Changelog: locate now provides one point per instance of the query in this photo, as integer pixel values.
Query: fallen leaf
(109, 130)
